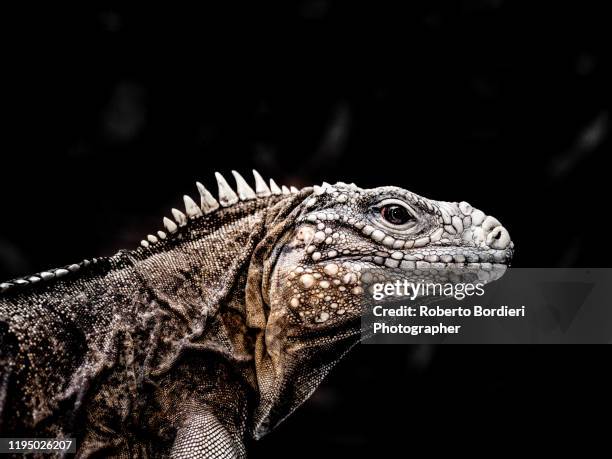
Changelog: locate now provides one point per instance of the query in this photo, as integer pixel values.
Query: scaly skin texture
(213, 332)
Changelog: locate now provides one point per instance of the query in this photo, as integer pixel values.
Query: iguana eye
(396, 214)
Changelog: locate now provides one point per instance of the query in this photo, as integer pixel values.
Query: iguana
(214, 330)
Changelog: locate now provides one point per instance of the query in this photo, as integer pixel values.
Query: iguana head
(346, 235)
(342, 238)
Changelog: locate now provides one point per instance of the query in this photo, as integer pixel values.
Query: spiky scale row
(227, 198)
(208, 204)
(46, 275)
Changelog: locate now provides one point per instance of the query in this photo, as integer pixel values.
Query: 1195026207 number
(22, 445)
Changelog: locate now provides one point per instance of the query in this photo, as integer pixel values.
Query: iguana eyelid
(400, 229)
(399, 202)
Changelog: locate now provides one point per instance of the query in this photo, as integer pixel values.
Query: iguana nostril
(498, 238)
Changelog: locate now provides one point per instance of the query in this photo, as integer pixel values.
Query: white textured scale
(227, 196)
(245, 192)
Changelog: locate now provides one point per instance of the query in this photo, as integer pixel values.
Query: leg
(203, 436)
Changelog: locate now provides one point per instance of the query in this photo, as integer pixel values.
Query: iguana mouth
(432, 258)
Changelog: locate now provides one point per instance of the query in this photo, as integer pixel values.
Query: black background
(111, 115)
